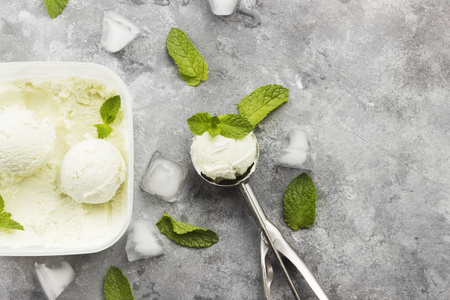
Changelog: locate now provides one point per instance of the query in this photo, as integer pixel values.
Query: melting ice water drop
(297, 152)
(143, 241)
(163, 177)
(118, 31)
(54, 278)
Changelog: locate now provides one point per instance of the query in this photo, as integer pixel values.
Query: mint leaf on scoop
(55, 7)
(186, 234)
(5, 218)
(103, 130)
(234, 126)
(116, 286)
(214, 128)
(199, 123)
(191, 64)
(228, 125)
(300, 202)
(109, 109)
(263, 100)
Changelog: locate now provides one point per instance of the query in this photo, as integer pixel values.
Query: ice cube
(163, 177)
(54, 277)
(223, 7)
(297, 153)
(118, 31)
(143, 241)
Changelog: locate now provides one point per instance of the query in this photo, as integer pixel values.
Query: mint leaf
(229, 125)
(263, 100)
(5, 218)
(55, 7)
(214, 129)
(300, 202)
(234, 126)
(109, 109)
(103, 130)
(199, 123)
(116, 285)
(7, 222)
(191, 64)
(186, 234)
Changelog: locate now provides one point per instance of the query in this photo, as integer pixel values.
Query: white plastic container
(12, 71)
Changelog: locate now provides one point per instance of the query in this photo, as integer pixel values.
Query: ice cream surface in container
(25, 144)
(220, 158)
(52, 219)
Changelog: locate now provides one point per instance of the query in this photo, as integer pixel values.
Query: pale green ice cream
(51, 218)
(26, 144)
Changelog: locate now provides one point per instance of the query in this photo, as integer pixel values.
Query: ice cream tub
(47, 109)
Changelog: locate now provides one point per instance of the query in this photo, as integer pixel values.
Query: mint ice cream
(220, 158)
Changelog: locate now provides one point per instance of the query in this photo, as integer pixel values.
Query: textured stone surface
(369, 82)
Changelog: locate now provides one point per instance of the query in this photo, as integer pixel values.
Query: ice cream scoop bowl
(271, 237)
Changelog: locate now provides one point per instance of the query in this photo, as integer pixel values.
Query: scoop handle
(286, 249)
(261, 220)
(266, 267)
(278, 243)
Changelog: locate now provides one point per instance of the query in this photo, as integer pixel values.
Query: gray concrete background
(369, 82)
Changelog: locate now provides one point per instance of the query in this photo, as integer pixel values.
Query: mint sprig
(191, 64)
(55, 7)
(186, 234)
(263, 100)
(228, 125)
(108, 112)
(116, 286)
(103, 130)
(252, 110)
(109, 109)
(5, 218)
(300, 202)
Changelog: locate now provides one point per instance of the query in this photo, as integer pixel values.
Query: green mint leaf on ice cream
(234, 126)
(116, 285)
(191, 64)
(186, 234)
(55, 7)
(300, 202)
(228, 125)
(5, 218)
(263, 100)
(252, 110)
(109, 110)
(103, 130)
(199, 123)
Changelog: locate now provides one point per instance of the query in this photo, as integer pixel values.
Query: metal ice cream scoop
(271, 237)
